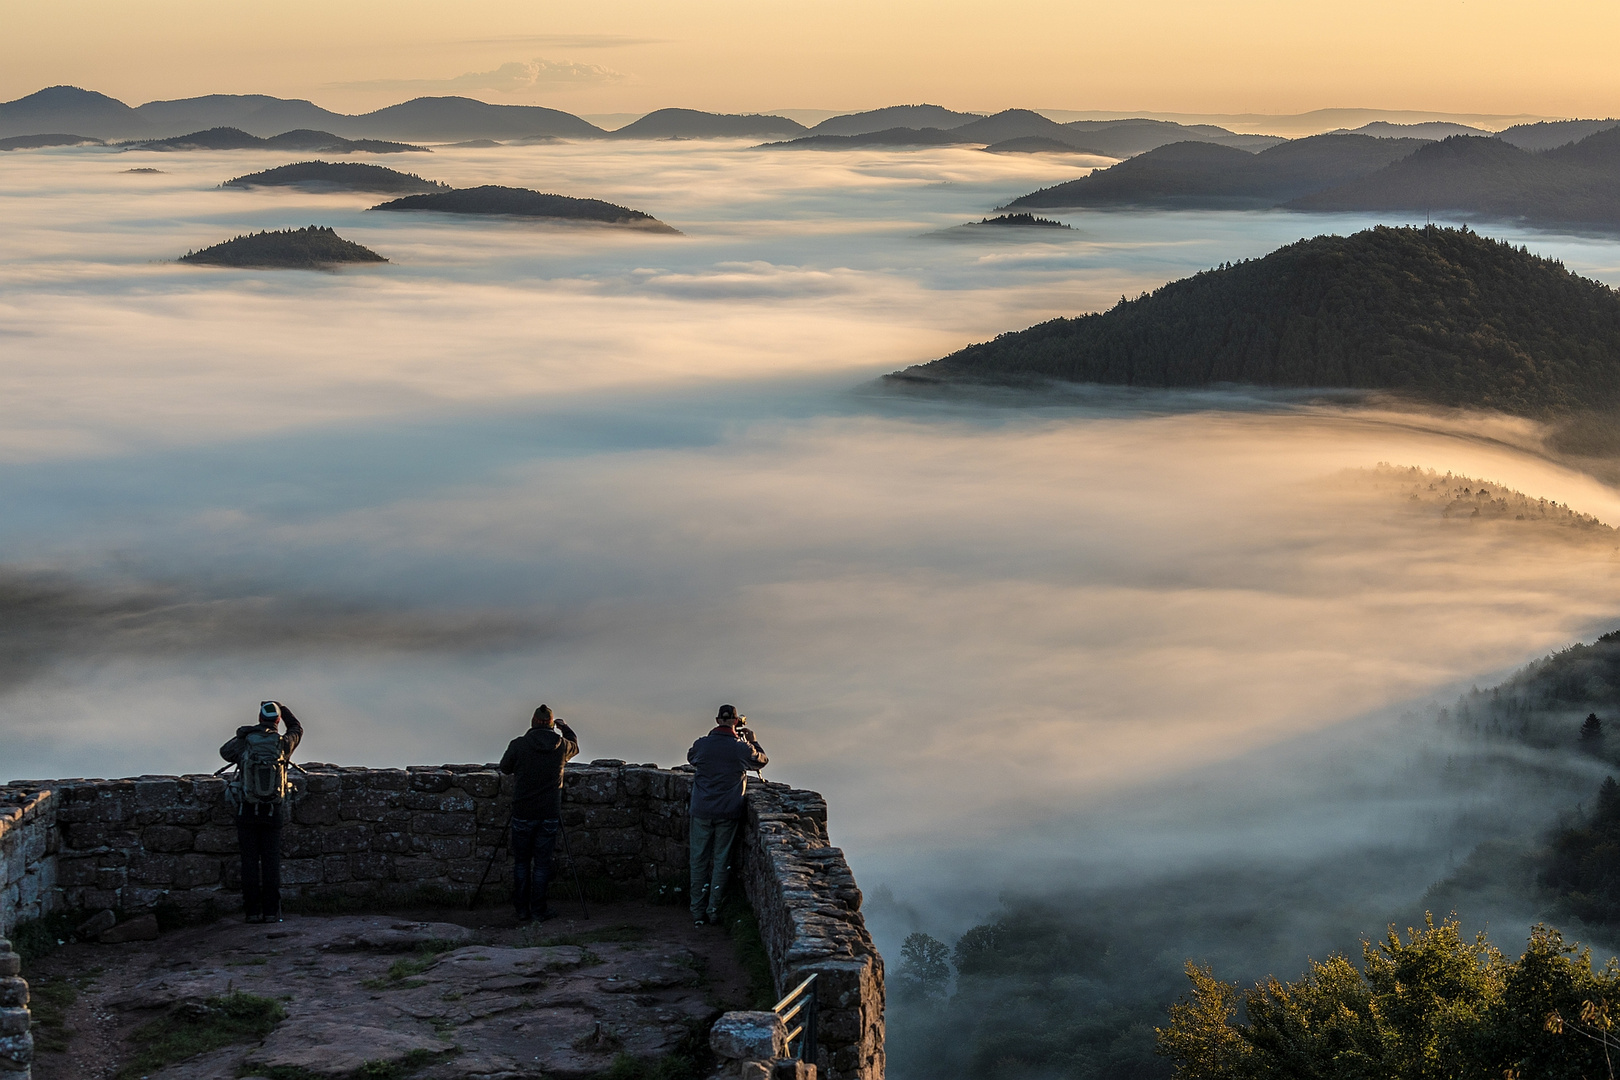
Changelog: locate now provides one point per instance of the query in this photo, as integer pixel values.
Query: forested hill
(1442, 315)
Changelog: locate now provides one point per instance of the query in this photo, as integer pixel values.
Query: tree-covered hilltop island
(314, 247)
(1445, 316)
(493, 200)
(337, 176)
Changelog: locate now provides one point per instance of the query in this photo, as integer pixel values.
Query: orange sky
(1553, 58)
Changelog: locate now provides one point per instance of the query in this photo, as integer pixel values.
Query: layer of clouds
(515, 77)
(635, 475)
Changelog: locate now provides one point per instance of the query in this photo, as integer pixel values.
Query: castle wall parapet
(360, 837)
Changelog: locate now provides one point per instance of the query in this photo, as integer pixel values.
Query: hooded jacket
(537, 757)
(722, 760)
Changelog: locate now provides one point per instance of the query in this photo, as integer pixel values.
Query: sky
(1250, 56)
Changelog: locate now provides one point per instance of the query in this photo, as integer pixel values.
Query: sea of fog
(635, 476)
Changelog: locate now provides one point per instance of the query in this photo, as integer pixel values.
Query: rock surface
(451, 1002)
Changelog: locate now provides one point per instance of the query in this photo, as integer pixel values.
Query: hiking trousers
(258, 835)
(533, 841)
(713, 841)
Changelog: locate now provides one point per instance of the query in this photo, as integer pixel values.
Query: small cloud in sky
(512, 78)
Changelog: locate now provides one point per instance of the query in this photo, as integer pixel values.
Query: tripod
(573, 867)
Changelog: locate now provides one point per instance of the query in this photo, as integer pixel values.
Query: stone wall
(362, 837)
(27, 840)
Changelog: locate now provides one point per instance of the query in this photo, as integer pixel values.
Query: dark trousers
(532, 845)
(258, 834)
(712, 840)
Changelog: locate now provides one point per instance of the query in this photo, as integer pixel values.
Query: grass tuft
(195, 1028)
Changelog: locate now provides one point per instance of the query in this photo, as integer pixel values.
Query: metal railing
(805, 996)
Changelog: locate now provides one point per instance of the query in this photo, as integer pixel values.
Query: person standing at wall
(722, 759)
(258, 789)
(536, 758)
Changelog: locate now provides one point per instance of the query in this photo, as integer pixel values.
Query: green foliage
(1428, 1006)
(400, 974)
(925, 973)
(521, 202)
(689, 1060)
(39, 937)
(49, 1001)
(1583, 862)
(1441, 315)
(739, 920)
(348, 175)
(195, 1028)
(311, 247)
(413, 1062)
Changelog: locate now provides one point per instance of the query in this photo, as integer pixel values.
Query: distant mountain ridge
(692, 124)
(1442, 315)
(228, 138)
(1573, 185)
(1212, 175)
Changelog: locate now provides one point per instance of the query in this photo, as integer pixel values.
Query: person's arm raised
(295, 730)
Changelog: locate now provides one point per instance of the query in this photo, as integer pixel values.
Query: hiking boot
(254, 919)
(545, 916)
(699, 923)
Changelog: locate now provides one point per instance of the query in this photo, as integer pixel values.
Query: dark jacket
(537, 757)
(232, 751)
(723, 760)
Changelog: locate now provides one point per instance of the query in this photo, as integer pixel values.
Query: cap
(269, 712)
(727, 712)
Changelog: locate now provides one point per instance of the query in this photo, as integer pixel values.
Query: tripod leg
(573, 868)
(499, 846)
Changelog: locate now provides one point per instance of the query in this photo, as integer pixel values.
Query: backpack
(261, 776)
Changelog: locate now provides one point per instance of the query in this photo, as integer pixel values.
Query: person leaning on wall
(258, 790)
(536, 758)
(722, 759)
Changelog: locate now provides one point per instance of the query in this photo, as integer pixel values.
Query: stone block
(317, 809)
(355, 808)
(792, 1069)
(749, 1036)
(321, 783)
(166, 838)
(13, 1021)
(16, 1051)
(390, 841)
(618, 841)
(300, 842)
(450, 847)
(111, 877)
(482, 785)
(335, 868)
(371, 866)
(215, 839)
(416, 868)
(195, 870)
(378, 780)
(345, 839)
(590, 785)
(140, 928)
(150, 869)
(73, 872)
(429, 780)
(301, 872)
(156, 792)
(13, 993)
(443, 824)
(95, 924)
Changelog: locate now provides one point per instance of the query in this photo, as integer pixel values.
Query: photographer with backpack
(257, 789)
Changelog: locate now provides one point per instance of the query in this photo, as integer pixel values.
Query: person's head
(269, 713)
(543, 717)
(727, 716)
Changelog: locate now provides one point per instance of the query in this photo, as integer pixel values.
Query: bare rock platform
(452, 995)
